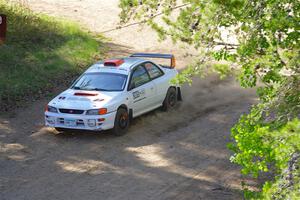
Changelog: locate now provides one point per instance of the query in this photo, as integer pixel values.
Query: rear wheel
(121, 122)
(170, 100)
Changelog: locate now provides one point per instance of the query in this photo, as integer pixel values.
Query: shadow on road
(179, 154)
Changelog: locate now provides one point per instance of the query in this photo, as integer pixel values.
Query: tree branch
(143, 21)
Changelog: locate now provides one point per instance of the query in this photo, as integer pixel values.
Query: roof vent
(113, 62)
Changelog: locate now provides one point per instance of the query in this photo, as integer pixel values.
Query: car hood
(83, 100)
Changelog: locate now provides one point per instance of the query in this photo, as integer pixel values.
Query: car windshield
(101, 82)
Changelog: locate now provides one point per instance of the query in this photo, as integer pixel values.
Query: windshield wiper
(92, 89)
(77, 88)
(99, 89)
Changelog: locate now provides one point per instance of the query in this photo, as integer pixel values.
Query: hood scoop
(85, 94)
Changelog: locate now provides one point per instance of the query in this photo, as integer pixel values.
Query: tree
(267, 52)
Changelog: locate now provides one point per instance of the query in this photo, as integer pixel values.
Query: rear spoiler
(156, 55)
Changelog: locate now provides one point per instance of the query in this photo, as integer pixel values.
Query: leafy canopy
(266, 47)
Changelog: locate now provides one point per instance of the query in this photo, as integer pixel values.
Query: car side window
(153, 70)
(139, 77)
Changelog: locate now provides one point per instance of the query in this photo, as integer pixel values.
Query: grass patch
(39, 52)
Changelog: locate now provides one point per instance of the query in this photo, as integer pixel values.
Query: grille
(71, 111)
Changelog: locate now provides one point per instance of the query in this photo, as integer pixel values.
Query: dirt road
(181, 154)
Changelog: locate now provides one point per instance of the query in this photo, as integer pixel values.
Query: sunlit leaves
(258, 146)
(268, 53)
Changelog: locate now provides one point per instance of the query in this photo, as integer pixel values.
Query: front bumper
(80, 121)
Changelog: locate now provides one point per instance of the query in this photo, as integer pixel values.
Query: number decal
(138, 93)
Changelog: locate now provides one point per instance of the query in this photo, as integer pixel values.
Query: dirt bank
(180, 154)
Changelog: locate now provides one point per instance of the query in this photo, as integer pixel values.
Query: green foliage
(222, 69)
(267, 50)
(38, 52)
(258, 146)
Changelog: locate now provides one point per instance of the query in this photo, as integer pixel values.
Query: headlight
(51, 109)
(101, 111)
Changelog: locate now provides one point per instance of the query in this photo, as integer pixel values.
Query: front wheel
(121, 122)
(170, 100)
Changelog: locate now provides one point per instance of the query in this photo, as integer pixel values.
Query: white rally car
(112, 92)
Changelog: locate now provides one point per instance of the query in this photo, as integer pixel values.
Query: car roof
(124, 68)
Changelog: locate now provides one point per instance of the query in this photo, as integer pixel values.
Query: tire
(122, 122)
(170, 100)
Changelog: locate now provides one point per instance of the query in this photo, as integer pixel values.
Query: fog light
(92, 122)
(50, 120)
(101, 119)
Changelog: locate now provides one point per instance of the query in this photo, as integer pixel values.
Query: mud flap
(179, 96)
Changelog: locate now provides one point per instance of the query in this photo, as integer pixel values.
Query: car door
(141, 91)
(160, 83)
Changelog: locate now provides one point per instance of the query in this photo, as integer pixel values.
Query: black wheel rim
(172, 99)
(123, 120)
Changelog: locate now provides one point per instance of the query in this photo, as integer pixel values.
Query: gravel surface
(173, 155)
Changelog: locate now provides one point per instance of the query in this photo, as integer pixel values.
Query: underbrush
(39, 53)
